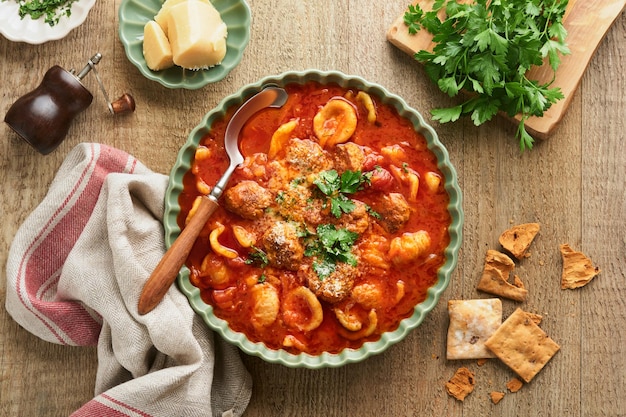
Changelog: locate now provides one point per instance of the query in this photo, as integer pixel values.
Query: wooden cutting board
(586, 21)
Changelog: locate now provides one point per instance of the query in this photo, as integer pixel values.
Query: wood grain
(573, 184)
(586, 23)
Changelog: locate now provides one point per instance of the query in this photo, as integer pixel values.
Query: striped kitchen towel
(75, 270)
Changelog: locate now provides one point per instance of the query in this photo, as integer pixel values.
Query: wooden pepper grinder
(43, 117)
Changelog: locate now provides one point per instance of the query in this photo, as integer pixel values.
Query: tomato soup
(332, 229)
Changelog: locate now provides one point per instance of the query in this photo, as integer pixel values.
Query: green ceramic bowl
(172, 229)
(133, 16)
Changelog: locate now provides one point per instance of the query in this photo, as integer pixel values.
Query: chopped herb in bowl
(50, 10)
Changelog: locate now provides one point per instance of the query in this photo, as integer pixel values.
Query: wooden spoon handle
(167, 269)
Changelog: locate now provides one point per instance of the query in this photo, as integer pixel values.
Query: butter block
(156, 47)
(197, 34)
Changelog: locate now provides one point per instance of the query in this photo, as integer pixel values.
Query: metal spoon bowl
(167, 269)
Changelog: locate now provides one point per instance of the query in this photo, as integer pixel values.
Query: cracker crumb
(461, 384)
(496, 396)
(514, 385)
(481, 361)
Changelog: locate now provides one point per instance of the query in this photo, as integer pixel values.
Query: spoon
(167, 269)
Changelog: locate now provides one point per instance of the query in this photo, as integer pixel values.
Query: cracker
(472, 322)
(578, 269)
(496, 396)
(518, 238)
(522, 345)
(461, 384)
(495, 277)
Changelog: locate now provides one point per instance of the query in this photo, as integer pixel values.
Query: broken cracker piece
(472, 322)
(578, 269)
(495, 277)
(496, 396)
(461, 384)
(514, 385)
(518, 238)
(522, 345)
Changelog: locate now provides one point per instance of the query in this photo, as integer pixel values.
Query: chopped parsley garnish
(257, 257)
(51, 10)
(336, 186)
(372, 212)
(280, 197)
(486, 48)
(297, 181)
(331, 246)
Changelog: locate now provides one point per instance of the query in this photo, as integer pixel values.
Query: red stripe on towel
(40, 268)
(95, 408)
(126, 406)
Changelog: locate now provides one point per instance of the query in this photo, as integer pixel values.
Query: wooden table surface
(573, 184)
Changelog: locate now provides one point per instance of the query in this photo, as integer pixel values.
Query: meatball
(349, 156)
(282, 246)
(357, 220)
(394, 212)
(292, 203)
(334, 287)
(278, 175)
(306, 156)
(247, 199)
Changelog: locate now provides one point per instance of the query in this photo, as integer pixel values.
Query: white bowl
(38, 31)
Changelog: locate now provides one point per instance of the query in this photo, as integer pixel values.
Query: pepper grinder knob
(124, 104)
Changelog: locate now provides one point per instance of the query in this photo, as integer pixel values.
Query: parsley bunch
(52, 10)
(486, 48)
(336, 186)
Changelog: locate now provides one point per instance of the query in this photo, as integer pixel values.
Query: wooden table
(573, 184)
